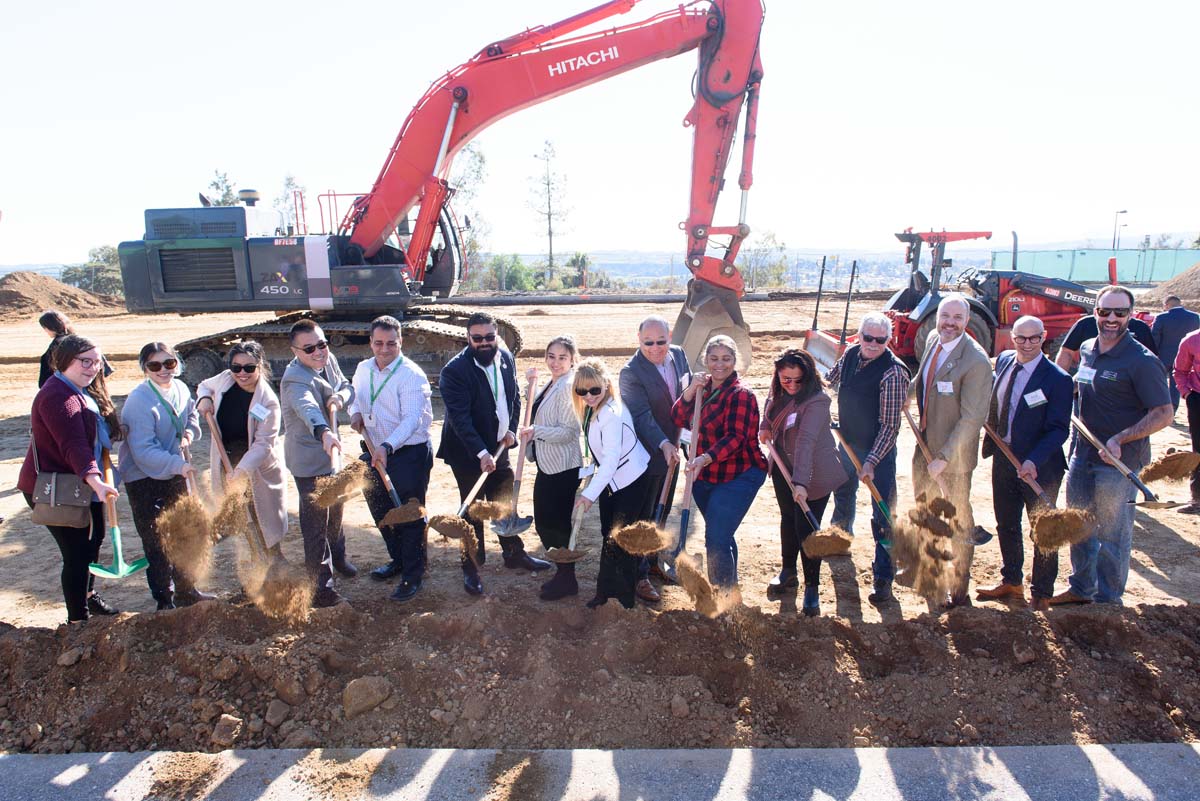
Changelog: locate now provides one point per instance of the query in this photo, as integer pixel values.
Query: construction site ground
(507, 671)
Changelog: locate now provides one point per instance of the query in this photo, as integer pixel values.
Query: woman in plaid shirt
(731, 466)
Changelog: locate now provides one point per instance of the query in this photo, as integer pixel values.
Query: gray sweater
(151, 445)
(303, 395)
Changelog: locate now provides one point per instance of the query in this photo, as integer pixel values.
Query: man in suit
(483, 408)
(650, 382)
(1169, 329)
(952, 388)
(1030, 410)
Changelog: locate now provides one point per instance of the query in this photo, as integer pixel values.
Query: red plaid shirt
(728, 431)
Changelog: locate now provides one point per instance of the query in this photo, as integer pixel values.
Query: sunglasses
(154, 367)
(88, 364)
(239, 368)
(477, 338)
(583, 392)
(650, 343)
(1021, 340)
(790, 381)
(1121, 313)
(310, 349)
(876, 340)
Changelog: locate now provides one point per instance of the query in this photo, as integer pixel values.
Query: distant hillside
(52, 270)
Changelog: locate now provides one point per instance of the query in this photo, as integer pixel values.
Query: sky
(1039, 117)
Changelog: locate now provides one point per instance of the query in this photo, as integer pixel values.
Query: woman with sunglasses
(73, 422)
(161, 420)
(796, 423)
(619, 482)
(246, 409)
(552, 442)
(728, 466)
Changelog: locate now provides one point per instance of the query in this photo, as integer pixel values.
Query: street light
(1117, 244)
(1115, 214)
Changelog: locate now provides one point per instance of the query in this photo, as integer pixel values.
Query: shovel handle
(191, 484)
(522, 446)
(110, 503)
(467, 501)
(215, 431)
(576, 519)
(1002, 446)
(334, 461)
(857, 464)
(1114, 461)
(775, 457)
(383, 476)
(928, 454)
(690, 475)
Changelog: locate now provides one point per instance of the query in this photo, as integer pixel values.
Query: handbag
(59, 499)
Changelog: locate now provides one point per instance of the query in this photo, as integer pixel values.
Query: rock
(255, 726)
(34, 732)
(70, 657)
(1023, 653)
(679, 707)
(980, 653)
(364, 694)
(177, 731)
(226, 669)
(290, 690)
(970, 732)
(337, 661)
(312, 682)
(226, 732)
(475, 708)
(601, 676)
(277, 712)
(302, 738)
(862, 742)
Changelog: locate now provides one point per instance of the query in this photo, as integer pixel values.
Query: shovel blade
(824, 349)
(1156, 504)
(119, 569)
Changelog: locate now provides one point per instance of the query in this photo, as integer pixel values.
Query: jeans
(408, 468)
(1011, 495)
(845, 497)
(723, 506)
(1100, 564)
(319, 527)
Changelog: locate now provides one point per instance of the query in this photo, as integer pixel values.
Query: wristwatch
(388, 449)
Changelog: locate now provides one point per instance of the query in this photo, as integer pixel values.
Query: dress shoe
(385, 572)
(599, 600)
(1192, 508)
(406, 591)
(326, 598)
(812, 602)
(981, 536)
(193, 596)
(786, 580)
(521, 560)
(345, 567)
(472, 584)
(1038, 604)
(882, 594)
(1001, 591)
(98, 606)
(164, 605)
(645, 590)
(1068, 597)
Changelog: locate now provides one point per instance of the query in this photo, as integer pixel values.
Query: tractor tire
(977, 327)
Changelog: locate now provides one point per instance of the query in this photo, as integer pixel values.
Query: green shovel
(118, 568)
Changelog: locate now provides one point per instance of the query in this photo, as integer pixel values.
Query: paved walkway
(1164, 772)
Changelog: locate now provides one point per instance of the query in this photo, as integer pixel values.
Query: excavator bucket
(825, 349)
(710, 311)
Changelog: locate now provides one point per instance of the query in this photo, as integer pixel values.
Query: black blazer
(1038, 432)
(471, 424)
(645, 395)
(1169, 329)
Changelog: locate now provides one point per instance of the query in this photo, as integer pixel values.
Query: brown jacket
(955, 412)
(807, 446)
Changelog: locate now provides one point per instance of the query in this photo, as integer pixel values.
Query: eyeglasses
(88, 364)
(1021, 340)
(876, 340)
(650, 343)
(1121, 313)
(309, 350)
(477, 338)
(790, 381)
(238, 368)
(154, 367)
(583, 392)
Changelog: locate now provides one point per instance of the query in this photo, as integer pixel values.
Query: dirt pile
(26, 295)
(1186, 285)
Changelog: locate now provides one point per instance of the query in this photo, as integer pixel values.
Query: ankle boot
(812, 601)
(562, 585)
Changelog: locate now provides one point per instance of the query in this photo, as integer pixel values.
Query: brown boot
(1068, 597)
(1001, 591)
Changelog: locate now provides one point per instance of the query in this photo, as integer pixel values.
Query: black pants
(408, 468)
(794, 529)
(1193, 410)
(619, 570)
(79, 547)
(553, 500)
(1010, 497)
(322, 532)
(148, 497)
(496, 487)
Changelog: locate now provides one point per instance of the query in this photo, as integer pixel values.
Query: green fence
(1133, 266)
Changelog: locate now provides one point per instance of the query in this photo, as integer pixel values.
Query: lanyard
(711, 397)
(375, 392)
(587, 423)
(175, 421)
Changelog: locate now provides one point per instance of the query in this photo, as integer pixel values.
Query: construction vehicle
(998, 298)
(383, 258)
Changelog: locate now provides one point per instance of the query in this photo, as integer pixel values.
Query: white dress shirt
(401, 412)
(494, 376)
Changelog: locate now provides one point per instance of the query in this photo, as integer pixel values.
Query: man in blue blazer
(1170, 327)
(1030, 410)
(483, 409)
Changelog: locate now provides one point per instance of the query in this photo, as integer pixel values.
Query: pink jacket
(1187, 364)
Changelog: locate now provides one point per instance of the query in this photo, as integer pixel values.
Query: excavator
(383, 259)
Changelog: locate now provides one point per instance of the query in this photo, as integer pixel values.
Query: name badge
(790, 421)
(1035, 398)
(685, 437)
(685, 379)
(587, 470)
(945, 387)
(259, 412)
(1085, 375)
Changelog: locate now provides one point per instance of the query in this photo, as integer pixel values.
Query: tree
(549, 187)
(1166, 242)
(467, 174)
(764, 264)
(100, 275)
(286, 202)
(226, 189)
(576, 274)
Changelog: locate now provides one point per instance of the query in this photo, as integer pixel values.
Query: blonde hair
(592, 373)
(722, 341)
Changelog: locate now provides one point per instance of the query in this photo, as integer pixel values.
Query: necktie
(929, 376)
(1006, 403)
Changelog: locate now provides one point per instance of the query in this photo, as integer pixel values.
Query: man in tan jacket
(952, 388)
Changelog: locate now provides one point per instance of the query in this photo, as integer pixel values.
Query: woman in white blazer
(247, 412)
(620, 482)
(552, 440)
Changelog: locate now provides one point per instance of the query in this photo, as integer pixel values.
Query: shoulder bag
(59, 499)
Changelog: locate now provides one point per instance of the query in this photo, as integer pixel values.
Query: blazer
(263, 461)
(303, 396)
(65, 432)
(649, 403)
(471, 424)
(620, 457)
(556, 429)
(1169, 329)
(1037, 433)
(955, 418)
(807, 447)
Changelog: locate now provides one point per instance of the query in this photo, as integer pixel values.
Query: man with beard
(483, 407)
(1123, 399)
(952, 388)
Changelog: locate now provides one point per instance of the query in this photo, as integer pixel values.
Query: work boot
(812, 601)
(882, 594)
(562, 585)
(786, 580)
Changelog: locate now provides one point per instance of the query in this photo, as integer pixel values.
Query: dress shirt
(947, 349)
(401, 413)
(667, 371)
(496, 382)
(1018, 375)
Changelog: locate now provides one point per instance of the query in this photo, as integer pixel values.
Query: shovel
(685, 511)
(118, 568)
(928, 454)
(456, 526)
(254, 536)
(564, 556)
(400, 512)
(660, 507)
(1151, 501)
(812, 519)
(512, 524)
(887, 516)
(1002, 446)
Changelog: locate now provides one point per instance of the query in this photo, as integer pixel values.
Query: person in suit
(483, 408)
(312, 382)
(1169, 329)
(552, 442)
(650, 382)
(620, 484)
(1030, 409)
(952, 388)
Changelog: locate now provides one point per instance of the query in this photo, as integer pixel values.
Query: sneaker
(98, 606)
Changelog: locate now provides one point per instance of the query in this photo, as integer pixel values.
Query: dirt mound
(26, 295)
(1186, 285)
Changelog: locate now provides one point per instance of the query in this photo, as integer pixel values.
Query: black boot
(562, 585)
(515, 557)
(786, 580)
(882, 594)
